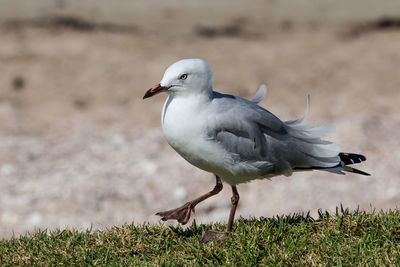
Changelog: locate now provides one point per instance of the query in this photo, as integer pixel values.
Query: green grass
(344, 239)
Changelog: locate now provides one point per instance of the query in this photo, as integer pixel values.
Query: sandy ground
(80, 147)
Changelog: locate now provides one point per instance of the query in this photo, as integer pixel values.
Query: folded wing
(252, 134)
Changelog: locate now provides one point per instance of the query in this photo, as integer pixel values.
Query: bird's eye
(183, 76)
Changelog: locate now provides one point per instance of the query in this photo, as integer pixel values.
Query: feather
(260, 95)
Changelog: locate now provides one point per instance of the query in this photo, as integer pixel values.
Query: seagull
(236, 139)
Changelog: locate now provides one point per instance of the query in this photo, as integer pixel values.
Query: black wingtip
(345, 159)
(351, 158)
(359, 172)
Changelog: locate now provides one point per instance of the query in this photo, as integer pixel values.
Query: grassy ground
(344, 239)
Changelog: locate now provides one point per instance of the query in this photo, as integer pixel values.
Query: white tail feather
(307, 140)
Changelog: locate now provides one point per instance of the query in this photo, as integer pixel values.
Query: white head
(187, 76)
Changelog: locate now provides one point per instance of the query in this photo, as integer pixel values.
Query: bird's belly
(210, 156)
(195, 147)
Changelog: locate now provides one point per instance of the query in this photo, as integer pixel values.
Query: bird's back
(253, 135)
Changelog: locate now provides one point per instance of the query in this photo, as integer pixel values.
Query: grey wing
(249, 132)
(254, 134)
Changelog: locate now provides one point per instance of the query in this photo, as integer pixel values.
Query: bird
(236, 139)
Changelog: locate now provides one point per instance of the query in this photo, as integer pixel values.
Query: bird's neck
(189, 93)
(182, 105)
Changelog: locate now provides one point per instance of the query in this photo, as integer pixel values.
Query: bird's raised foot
(214, 235)
(181, 214)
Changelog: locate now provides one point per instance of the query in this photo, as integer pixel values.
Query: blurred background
(79, 146)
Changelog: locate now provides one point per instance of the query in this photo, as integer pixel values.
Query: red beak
(155, 90)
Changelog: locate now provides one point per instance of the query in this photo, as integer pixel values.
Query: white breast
(184, 126)
(182, 123)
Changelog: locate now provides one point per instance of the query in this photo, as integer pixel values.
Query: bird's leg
(234, 203)
(219, 236)
(182, 214)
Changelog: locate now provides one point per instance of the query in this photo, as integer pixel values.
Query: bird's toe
(181, 214)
